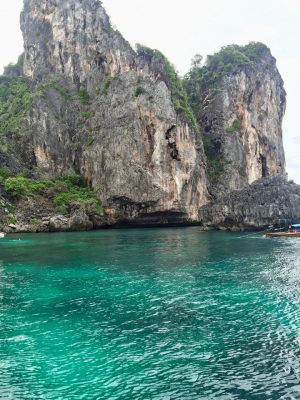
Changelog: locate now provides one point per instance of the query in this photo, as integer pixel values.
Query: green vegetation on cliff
(14, 70)
(16, 97)
(235, 127)
(218, 65)
(4, 173)
(174, 82)
(44, 86)
(63, 191)
(215, 162)
(84, 97)
(139, 90)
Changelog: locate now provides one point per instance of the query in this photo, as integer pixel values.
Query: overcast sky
(180, 29)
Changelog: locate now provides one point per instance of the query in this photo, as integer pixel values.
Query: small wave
(19, 338)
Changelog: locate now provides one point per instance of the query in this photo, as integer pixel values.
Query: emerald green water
(149, 314)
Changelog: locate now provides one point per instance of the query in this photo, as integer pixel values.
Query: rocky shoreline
(251, 209)
(255, 207)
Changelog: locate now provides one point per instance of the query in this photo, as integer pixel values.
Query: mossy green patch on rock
(215, 161)
(200, 78)
(16, 96)
(11, 219)
(223, 62)
(235, 127)
(84, 97)
(88, 114)
(5, 173)
(139, 90)
(63, 191)
(108, 81)
(42, 87)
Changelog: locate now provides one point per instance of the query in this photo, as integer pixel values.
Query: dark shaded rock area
(255, 207)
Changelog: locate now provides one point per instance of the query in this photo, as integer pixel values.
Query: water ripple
(149, 314)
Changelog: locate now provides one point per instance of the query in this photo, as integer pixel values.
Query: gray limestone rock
(241, 122)
(255, 207)
(105, 112)
(109, 115)
(59, 223)
(79, 221)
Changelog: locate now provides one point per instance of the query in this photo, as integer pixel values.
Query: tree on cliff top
(218, 65)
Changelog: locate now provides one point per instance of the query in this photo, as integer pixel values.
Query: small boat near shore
(2, 235)
(292, 231)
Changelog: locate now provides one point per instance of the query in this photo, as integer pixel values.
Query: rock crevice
(123, 120)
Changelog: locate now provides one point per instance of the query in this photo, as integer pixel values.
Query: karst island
(133, 205)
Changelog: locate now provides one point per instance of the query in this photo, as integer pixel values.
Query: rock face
(255, 207)
(241, 121)
(107, 114)
(123, 121)
(37, 215)
(79, 221)
(73, 38)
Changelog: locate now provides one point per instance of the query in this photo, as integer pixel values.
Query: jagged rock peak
(73, 38)
(240, 105)
(129, 131)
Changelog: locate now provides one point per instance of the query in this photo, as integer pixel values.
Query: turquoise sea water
(149, 314)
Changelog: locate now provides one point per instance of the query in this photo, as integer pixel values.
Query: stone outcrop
(109, 115)
(36, 215)
(73, 38)
(79, 221)
(121, 119)
(254, 207)
(241, 122)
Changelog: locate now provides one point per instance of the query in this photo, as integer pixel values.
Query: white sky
(180, 29)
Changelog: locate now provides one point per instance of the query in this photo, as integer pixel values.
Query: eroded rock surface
(109, 115)
(254, 207)
(242, 124)
(121, 119)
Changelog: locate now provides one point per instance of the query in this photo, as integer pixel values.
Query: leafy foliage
(217, 66)
(175, 83)
(235, 127)
(139, 90)
(215, 162)
(18, 186)
(107, 84)
(63, 191)
(42, 87)
(5, 173)
(83, 96)
(35, 221)
(11, 219)
(16, 97)
(88, 114)
(216, 168)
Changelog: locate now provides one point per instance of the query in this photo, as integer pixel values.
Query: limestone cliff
(88, 105)
(108, 114)
(73, 38)
(241, 104)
